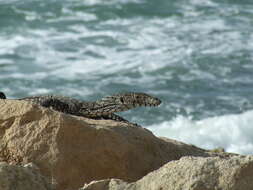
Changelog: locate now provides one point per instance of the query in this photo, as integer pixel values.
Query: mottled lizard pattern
(100, 109)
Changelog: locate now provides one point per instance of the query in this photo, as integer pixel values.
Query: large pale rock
(72, 150)
(190, 173)
(22, 178)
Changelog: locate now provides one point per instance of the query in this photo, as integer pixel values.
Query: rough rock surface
(72, 150)
(190, 173)
(22, 177)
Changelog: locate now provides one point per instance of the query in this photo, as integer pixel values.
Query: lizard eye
(122, 100)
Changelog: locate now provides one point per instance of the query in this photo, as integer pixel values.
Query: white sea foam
(95, 2)
(39, 91)
(203, 3)
(5, 61)
(232, 132)
(144, 45)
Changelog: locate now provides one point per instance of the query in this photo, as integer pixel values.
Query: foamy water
(231, 132)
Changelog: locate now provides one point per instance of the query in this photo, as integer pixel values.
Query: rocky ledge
(71, 151)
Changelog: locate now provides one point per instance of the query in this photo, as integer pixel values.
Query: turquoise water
(195, 55)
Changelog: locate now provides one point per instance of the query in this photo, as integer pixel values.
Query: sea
(195, 55)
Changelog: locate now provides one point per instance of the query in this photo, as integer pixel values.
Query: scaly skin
(101, 109)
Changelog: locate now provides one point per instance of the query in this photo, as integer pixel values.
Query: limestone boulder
(22, 178)
(191, 173)
(71, 150)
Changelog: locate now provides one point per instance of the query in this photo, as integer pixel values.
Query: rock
(72, 150)
(22, 177)
(191, 173)
(106, 184)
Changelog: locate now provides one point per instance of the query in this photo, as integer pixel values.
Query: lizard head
(118, 103)
(2, 95)
(129, 100)
(134, 99)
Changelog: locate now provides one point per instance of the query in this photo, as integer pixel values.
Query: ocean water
(195, 55)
